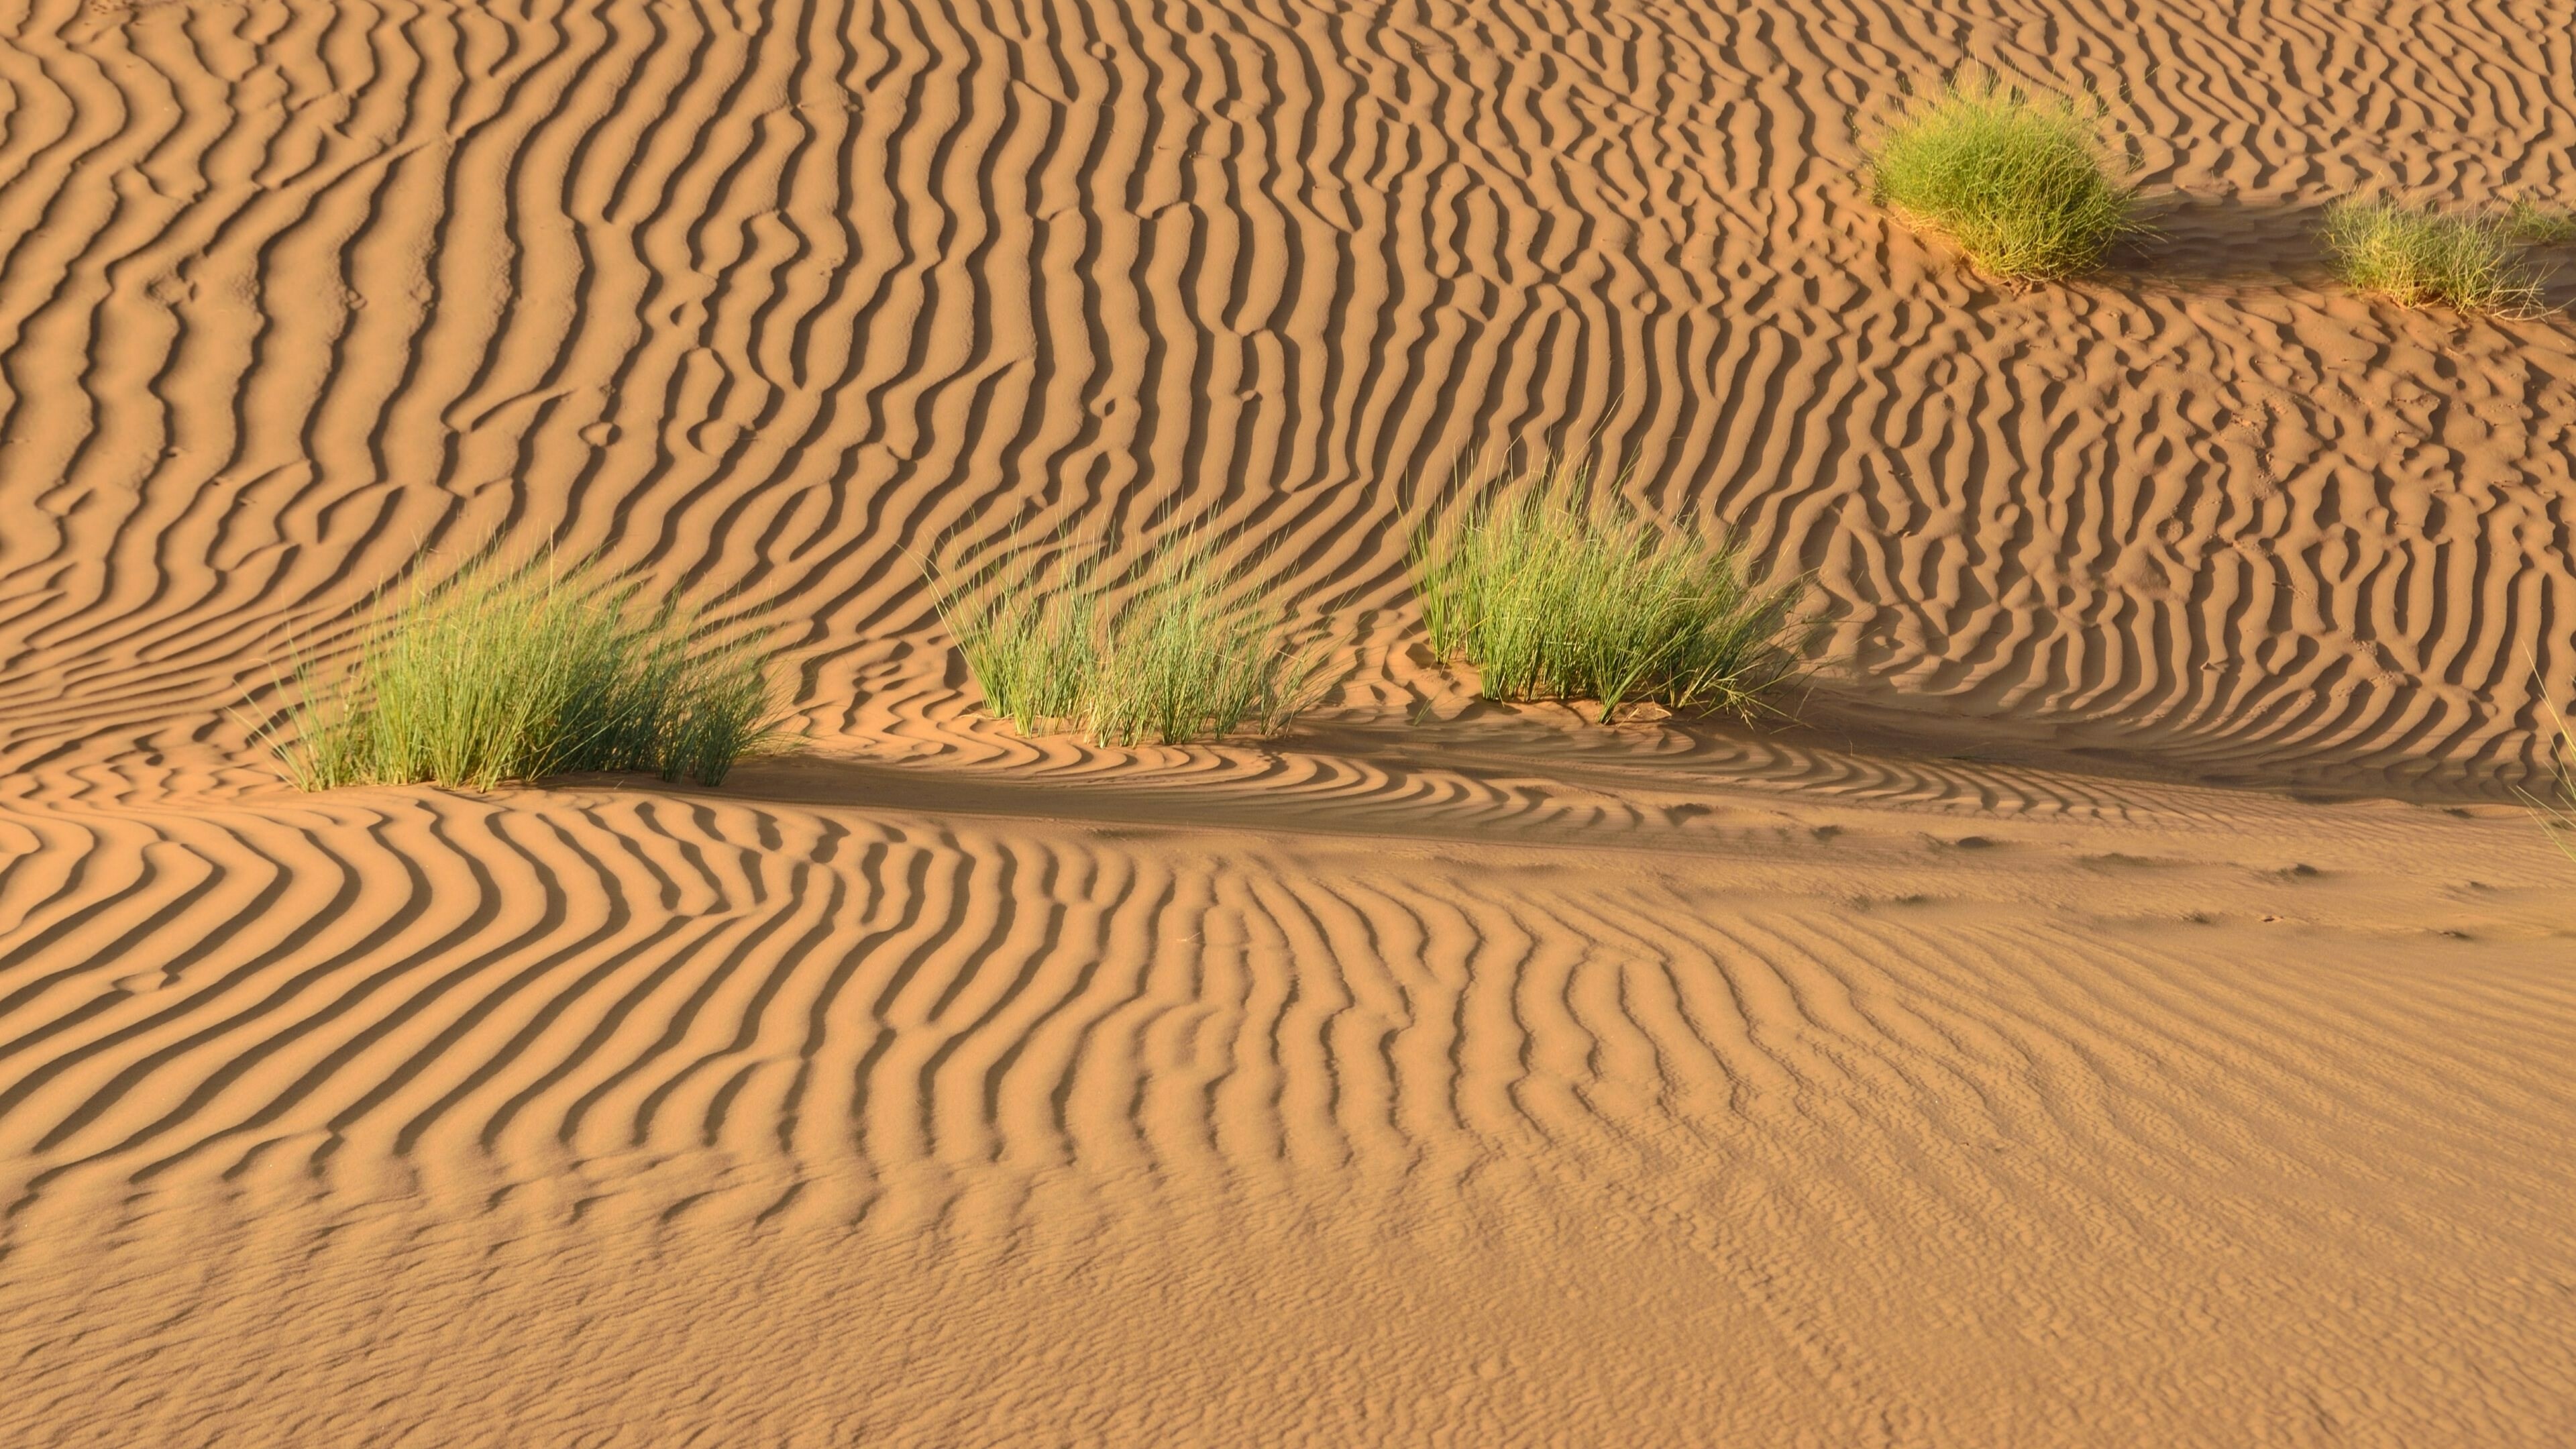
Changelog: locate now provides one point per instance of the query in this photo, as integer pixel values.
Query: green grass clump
(1034, 649)
(503, 675)
(2021, 183)
(1554, 590)
(1174, 656)
(2420, 258)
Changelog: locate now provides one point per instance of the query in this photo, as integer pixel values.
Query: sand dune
(772, 299)
(1834, 1122)
(2129, 1010)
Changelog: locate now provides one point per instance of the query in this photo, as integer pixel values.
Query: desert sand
(2130, 1007)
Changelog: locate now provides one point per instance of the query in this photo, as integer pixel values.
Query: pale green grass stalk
(2021, 183)
(1030, 639)
(1184, 661)
(502, 675)
(2554, 804)
(1173, 656)
(2422, 258)
(2535, 225)
(1558, 590)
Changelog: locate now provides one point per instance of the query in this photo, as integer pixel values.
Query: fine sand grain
(2131, 1010)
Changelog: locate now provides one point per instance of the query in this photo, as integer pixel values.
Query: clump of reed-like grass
(1032, 644)
(1174, 656)
(2020, 182)
(500, 675)
(2420, 258)
(1556, 590)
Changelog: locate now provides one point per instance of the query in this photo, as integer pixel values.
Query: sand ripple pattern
(455, 987)
(620, 1009)
(770, 296)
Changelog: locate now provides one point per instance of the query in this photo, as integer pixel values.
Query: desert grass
(2532, 224)
(2422, 258)
(1031, 632)
(514, 675)
(1555, 589)
(2553, 803)
(2020, 182)
(1179, 649)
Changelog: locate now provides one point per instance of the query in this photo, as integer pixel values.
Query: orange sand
(2130, 1011)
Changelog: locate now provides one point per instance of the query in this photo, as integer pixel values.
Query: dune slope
(2131, 1012)
(771, 299)
(655, 1119)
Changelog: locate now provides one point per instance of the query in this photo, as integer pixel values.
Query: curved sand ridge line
(1478, 1081)
(2020, 1114)
(769, 300)
(1511, 778)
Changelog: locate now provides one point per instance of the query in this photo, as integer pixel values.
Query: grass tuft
(2022, 183)
(1032, 643)
(1173, 657)
(1556, 590)
(1182, 661)
(501, 675)
(2421, 258)
(2540, 226)
(2554, 804)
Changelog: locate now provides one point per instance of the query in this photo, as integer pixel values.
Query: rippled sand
(2130, 1010)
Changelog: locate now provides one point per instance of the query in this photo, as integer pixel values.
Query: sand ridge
(2159, 1146)
(2129, 1010)
(773, 301)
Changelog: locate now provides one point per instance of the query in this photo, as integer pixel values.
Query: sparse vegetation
(2554, 802)
(1173, 656)
(1556, 590)
(501, 675)
(2541, 226)
(2022, 183)
(2420, 258)
(1032, 644)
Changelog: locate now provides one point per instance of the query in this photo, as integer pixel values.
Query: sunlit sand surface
(2131, 1008)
